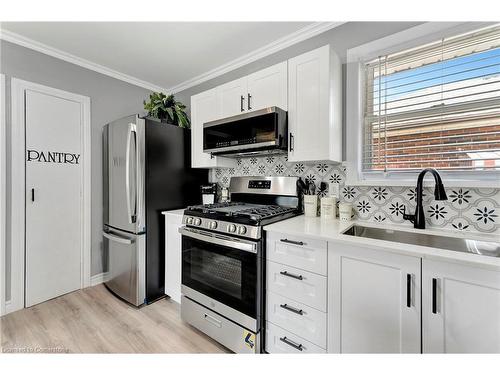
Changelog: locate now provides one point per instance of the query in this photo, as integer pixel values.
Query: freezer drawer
(126, 262)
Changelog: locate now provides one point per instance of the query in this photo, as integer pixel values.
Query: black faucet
(418, 219)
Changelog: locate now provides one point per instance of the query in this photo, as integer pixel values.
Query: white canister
(311, 205)
(328, 207)
(224, 195)
(345, 211)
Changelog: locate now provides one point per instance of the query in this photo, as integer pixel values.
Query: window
(437, 105)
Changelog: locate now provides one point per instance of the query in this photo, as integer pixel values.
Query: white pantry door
(53, 196)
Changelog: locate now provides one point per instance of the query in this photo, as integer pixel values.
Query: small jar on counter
(345, 211)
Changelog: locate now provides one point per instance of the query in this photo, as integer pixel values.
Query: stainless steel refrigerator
(146, 170)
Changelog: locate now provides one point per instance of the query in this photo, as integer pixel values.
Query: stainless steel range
(223, 259)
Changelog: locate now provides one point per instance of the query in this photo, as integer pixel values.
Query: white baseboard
(9, 308)
(175, 297)
(98, 279)
(94, 280)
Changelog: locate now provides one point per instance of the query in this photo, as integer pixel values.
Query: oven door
(222, 268)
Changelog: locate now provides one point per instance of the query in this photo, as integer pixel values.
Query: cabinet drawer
(299, 285)
(296, 317)
(306, 254)
(279, 340)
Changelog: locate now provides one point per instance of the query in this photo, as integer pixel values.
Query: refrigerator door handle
(123, 240)
(140, 176)
(131, 216)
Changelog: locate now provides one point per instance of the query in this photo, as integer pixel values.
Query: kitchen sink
(463, 245)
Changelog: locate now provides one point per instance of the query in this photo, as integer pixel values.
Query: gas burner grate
(260, 213)
(208, 208)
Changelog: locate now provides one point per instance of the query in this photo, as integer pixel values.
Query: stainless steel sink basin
(463, 245)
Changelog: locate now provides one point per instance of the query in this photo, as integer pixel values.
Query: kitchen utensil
(311, 188)
(301, 186)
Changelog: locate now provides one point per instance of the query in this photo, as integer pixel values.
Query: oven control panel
(259, 184)
(220, 226)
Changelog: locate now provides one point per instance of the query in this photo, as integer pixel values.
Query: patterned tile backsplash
(467, 209)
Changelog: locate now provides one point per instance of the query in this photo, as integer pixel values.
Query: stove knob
(189, 220)
(213, 225)
(242, 230)
(231, 228)
(197, 222)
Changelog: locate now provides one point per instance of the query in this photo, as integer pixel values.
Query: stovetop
(236, 218)
(255, 202)
(253, 213)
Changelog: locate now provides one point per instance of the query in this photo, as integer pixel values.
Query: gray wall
(340, 39)
(110, 99)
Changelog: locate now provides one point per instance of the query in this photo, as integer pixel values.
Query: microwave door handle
(131, 216)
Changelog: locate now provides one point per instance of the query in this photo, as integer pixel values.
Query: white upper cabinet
(460, 308)
(204, 109)
(315, 106)
(232, 98)
(374, 305)
(267, 88)
(308, 86)
(262, 89)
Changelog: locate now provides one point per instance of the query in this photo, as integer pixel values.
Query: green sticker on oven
(249, 338)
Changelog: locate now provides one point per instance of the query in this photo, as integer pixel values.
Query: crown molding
(300, 35)
(59, 54)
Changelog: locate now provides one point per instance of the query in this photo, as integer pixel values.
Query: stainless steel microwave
(257, 132)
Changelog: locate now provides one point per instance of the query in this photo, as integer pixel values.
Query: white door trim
(3, 192)
(18, 88)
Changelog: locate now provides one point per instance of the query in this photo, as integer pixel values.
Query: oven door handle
(216, 239)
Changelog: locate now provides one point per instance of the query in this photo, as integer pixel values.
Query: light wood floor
(92, 320)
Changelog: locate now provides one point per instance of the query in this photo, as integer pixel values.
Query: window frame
(355, 96)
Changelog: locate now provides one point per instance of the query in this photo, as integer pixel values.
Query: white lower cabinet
(308, 254)
(374, 301)
(303, 320)
(460, 308)
(299, 285)
(173, 251)
(296, 298)
(279, 340)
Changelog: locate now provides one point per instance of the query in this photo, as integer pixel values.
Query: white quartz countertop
(178, 212)
(331, 230)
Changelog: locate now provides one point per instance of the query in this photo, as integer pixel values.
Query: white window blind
(437, 105)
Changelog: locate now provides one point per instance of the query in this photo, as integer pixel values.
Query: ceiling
(165, 54)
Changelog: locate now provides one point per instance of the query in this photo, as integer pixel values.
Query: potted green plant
(167, 109)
